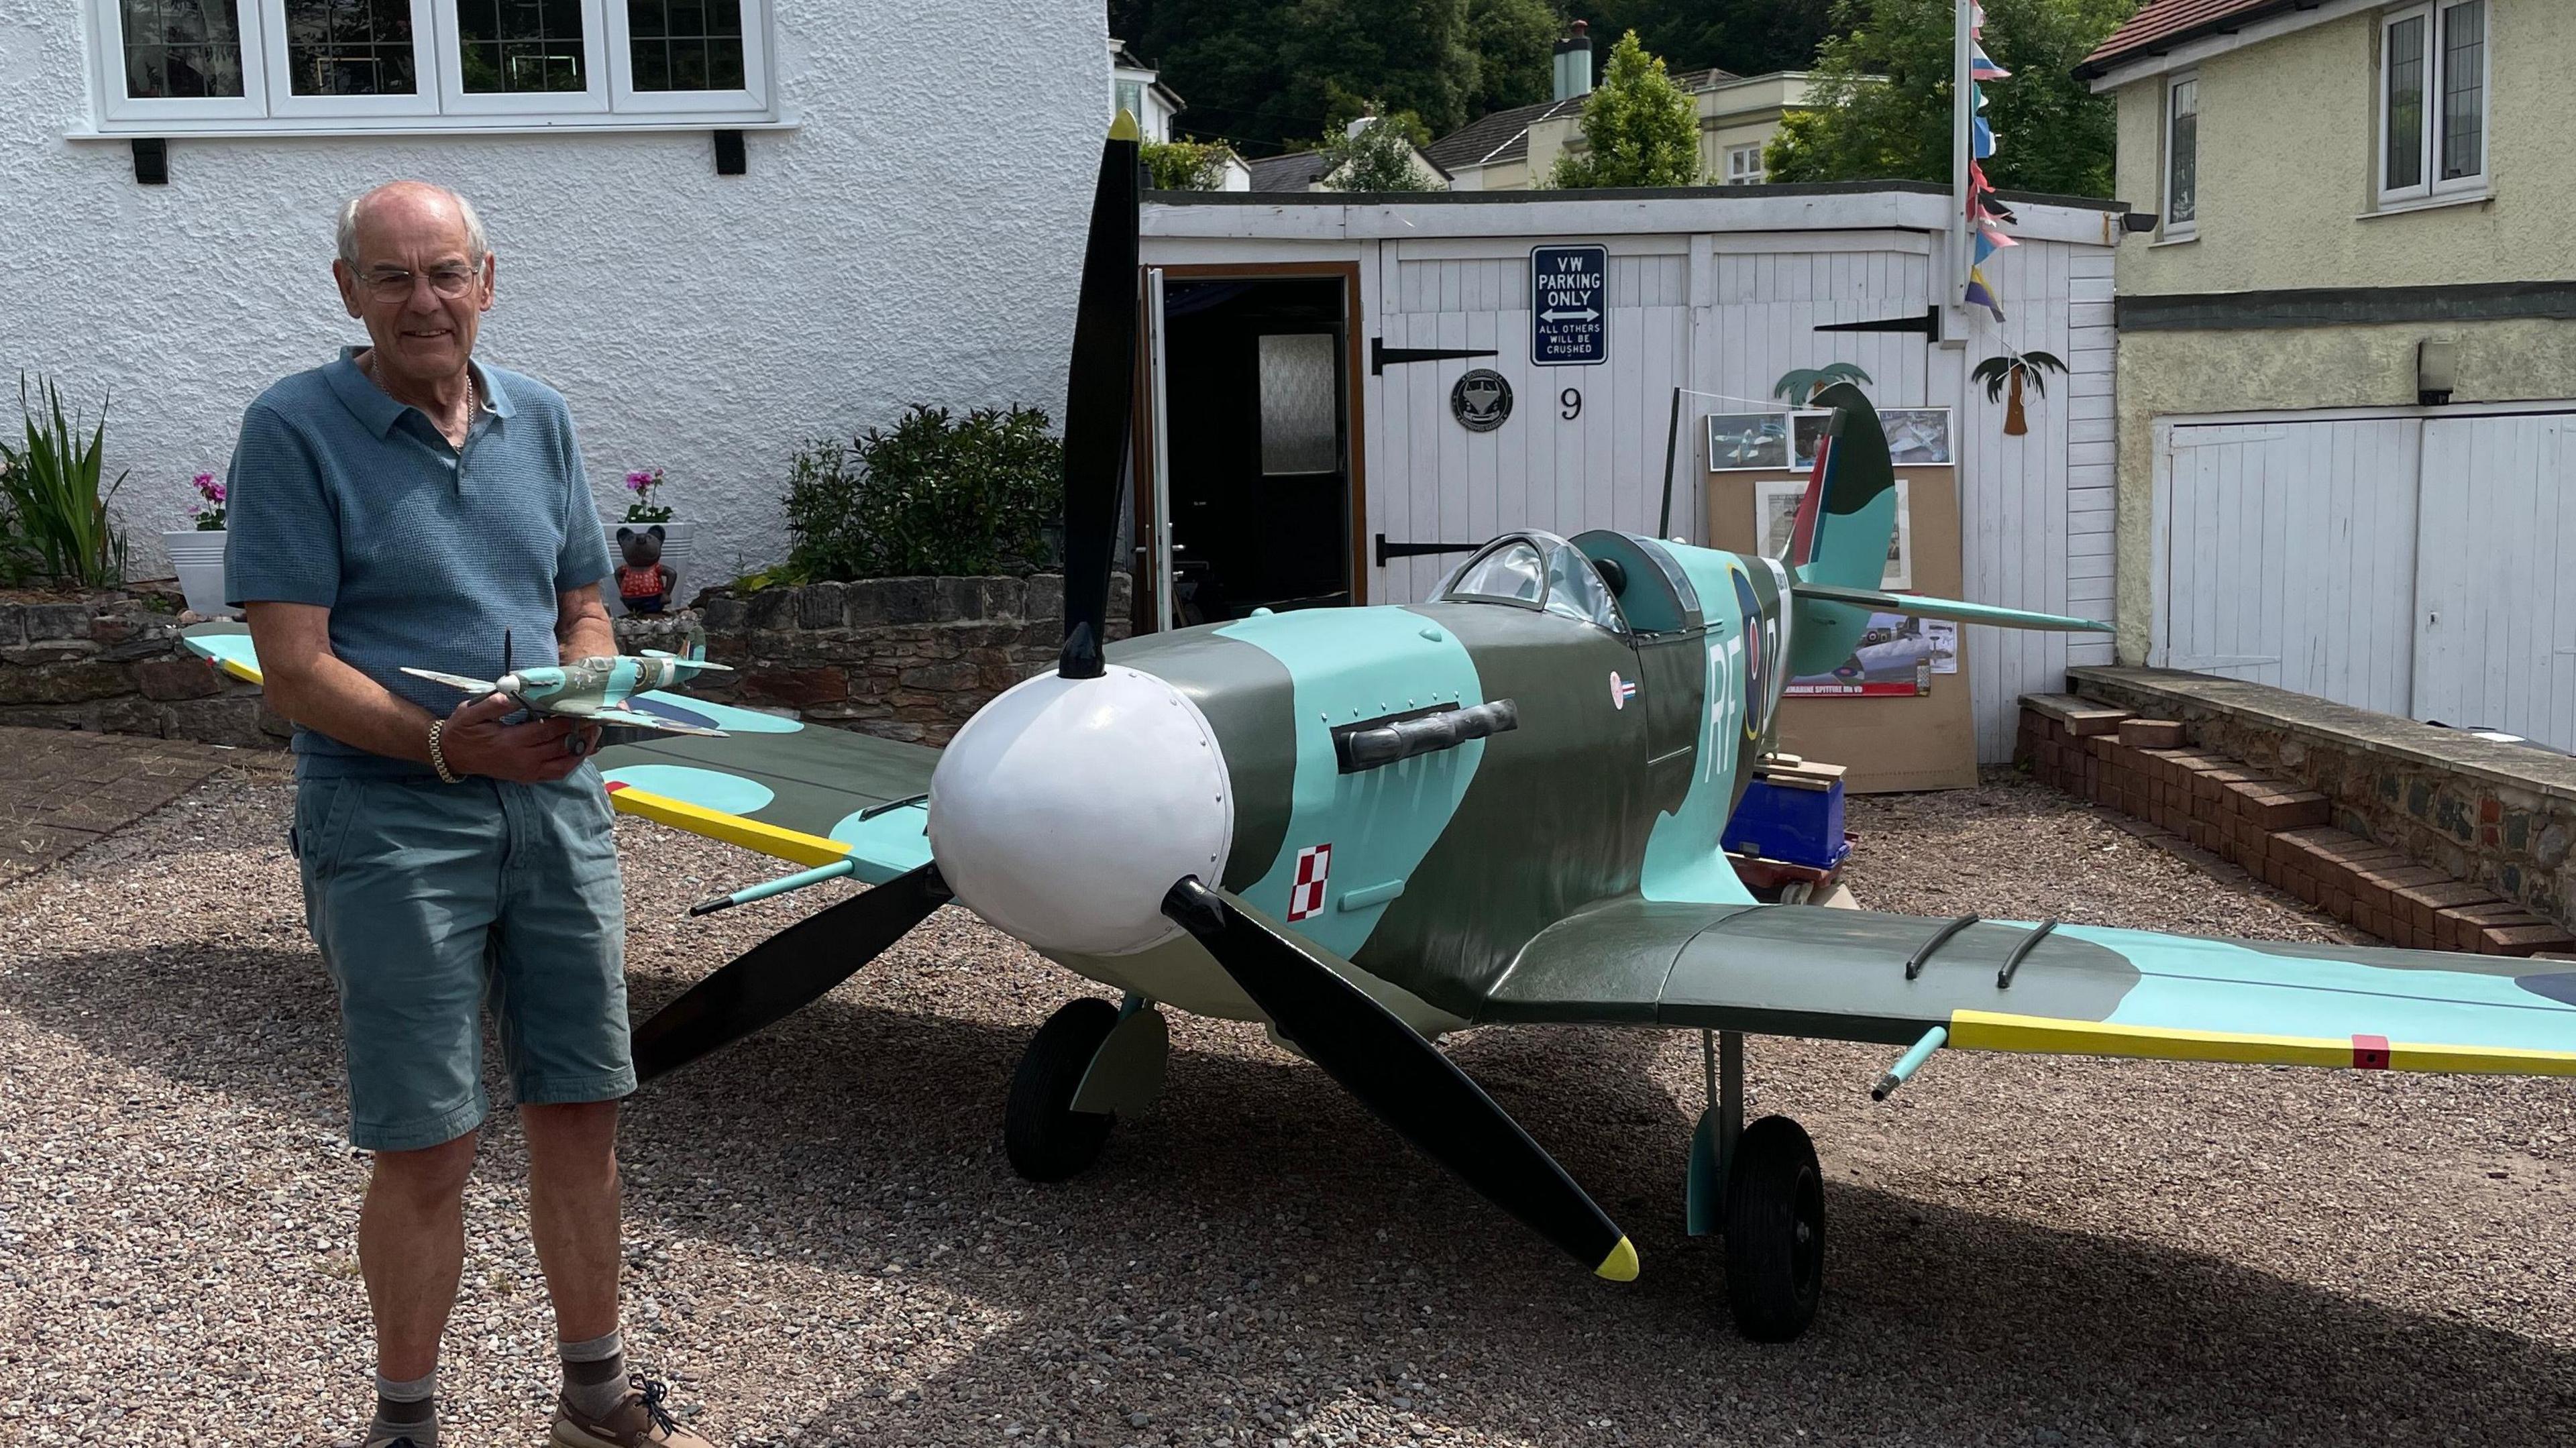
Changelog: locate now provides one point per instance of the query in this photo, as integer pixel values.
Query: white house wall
(1720, 295)
(895, 246)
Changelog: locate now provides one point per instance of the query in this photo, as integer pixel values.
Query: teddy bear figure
(644, 582)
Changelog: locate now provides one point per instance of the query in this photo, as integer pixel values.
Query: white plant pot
(198, 555)
(675, 556)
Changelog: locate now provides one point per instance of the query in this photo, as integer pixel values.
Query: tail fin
(1838, 548)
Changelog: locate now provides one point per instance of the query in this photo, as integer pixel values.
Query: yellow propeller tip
(1620, 1265)
(1124, 127)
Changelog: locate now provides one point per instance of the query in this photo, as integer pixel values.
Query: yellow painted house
(2346, 384)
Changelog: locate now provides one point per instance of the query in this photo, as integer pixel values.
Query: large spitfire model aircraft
(1366, 827)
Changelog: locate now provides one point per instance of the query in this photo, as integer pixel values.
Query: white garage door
(2399, 563)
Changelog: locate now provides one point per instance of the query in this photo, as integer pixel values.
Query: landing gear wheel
(1045, 1138)
(1775, 1231)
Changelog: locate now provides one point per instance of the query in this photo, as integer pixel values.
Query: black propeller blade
(793, 968)
(1403, 1078)
(1099, 398)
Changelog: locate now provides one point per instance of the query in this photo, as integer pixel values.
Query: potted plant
(645, 509)
(198, 553)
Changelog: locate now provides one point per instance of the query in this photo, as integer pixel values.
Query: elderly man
(408, 505)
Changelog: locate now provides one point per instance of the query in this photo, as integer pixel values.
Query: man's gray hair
(478, 243)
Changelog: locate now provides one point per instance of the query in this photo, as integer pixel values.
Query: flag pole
(1963, 125)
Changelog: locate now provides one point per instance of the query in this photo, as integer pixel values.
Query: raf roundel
(1621, 690)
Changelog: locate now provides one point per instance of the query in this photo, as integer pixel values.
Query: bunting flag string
(1986, 216)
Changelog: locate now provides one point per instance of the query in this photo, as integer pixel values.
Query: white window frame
(2185, 228)
(1752, 175)
(2429, 146)
(284, 102)
(624, 98)
(440, 103)
(141, 114)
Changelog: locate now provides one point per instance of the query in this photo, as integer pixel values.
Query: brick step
(2273, 829)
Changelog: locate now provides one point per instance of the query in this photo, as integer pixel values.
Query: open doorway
(1259, 429)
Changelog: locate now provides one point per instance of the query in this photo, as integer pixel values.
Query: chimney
(1574, 62)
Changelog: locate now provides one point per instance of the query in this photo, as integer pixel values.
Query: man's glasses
(395, 285)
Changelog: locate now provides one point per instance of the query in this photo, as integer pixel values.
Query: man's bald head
(406, 205)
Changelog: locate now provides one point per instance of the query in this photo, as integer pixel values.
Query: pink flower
(642, 478)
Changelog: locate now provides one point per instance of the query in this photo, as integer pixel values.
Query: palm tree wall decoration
(1801, 386)
(2008, 371)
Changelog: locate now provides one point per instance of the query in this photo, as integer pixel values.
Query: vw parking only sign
(1569, 323)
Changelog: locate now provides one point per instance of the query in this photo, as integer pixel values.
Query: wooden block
(2152, 734)
(2082, 717)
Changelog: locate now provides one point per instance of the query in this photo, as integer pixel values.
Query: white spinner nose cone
(1064, 811)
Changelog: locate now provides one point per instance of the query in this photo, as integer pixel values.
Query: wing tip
(1620, 1265)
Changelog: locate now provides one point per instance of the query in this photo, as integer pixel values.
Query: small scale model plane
(594, 690)
(1368, 827)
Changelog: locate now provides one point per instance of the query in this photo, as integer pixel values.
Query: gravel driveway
(826, 1246)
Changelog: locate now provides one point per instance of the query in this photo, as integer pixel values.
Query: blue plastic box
(1799, 826)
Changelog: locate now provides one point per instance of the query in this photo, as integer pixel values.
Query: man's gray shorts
(431, 899)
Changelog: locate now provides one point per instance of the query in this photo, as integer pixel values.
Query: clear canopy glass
(1535, 570)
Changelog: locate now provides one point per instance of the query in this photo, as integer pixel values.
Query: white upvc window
(2182, 157)
(2434, 65)
(169, 67)
(1744, 166)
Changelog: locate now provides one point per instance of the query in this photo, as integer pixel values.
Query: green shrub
(58, 529)
(1184, 165)
(931, 495)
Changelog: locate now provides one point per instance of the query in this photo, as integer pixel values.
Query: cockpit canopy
(1538, 570)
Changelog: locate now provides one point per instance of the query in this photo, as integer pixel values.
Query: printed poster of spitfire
(1897, 657)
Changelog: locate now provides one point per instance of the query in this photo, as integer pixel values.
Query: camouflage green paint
(1250, 700)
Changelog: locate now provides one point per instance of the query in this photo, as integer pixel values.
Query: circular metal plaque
(1482, 400)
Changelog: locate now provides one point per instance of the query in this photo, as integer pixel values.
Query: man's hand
(475, 741)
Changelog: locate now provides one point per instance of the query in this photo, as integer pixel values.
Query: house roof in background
(2161, 25)
(1295, 171)
(1502, 136)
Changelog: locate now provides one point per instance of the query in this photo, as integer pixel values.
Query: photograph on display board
(1897, 656)
(1918, 437)
(1741, 441)
(1775, 514)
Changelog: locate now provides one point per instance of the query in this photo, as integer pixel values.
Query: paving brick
(2152, 734)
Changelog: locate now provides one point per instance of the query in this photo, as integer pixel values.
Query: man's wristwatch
(438, 756)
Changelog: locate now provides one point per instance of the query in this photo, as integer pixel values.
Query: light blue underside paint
(2207, 985)
(1683, 859)
(705, 788)
(226, 648)
(888, 845)
(1350, 664)
(725, 716)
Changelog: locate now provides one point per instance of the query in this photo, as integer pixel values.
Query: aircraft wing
(802, 793)
(1858, 975)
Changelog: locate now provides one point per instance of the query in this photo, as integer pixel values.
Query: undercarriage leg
(1712, 1153)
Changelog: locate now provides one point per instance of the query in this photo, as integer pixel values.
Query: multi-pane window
(2433, 100)
(178, 49)
(685, 45)
(171, 66)
(2182, 156)
(521, 45)
(350, 48)
(1744, 166)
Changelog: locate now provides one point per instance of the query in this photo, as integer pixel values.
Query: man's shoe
(638, 1421)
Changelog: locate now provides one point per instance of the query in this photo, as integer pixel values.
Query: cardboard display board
(1923, 741)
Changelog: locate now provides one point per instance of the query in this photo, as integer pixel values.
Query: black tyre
(1046, 1139)
(1775, 1231)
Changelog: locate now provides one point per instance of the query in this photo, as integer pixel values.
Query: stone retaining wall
(901, 658)
(2502, 816)
(112, 662)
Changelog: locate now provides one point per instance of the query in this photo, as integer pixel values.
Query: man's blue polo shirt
(425, 554)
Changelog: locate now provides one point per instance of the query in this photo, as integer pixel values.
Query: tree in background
(2057, 136)
(1748, 37)
(1377, 156)
(1515, 45)
(1642, 130)
(1184, 165)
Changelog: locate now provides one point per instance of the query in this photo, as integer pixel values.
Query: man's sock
(406, 1410)
(594, 1374)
